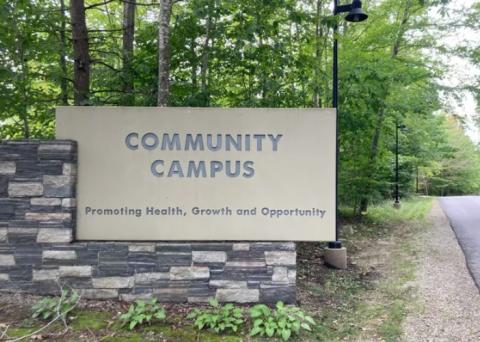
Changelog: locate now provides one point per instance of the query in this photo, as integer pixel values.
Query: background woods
(254, 53)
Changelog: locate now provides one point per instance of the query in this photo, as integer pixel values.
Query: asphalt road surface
(464, 215)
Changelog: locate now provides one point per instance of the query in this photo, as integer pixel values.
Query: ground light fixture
(402, 128)
(355, 14)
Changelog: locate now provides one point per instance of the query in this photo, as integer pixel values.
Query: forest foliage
(254, 53)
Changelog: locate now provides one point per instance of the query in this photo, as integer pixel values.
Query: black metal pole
(337, 243)
(397, 197)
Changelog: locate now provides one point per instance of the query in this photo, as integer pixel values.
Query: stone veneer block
(58, 186)
(75, 271)
(99, 293)
(48, 216)
(3, 234)
(7, 167)
(48, 274)
(46, 201)
(237, 247)
(228, 284)
(54, 235)
(189, 273)
(113, 282)
(4, 277)
(59, 255)
(245, 264)
(280, 274)
(26, 189)
(69, 169)
(69, 202)
(150, 248)
(7, 260)
(280, 258)
(238, 295)
(148, 277)
(209, 257)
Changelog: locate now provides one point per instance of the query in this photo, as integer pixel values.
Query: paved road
(464, 215)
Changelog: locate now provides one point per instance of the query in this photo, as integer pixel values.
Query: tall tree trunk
(128, 98)
(81, 68)
(381, 111)
(317, 102)
(63, 56)
(164, 52)
(23, 88)
(206, 54)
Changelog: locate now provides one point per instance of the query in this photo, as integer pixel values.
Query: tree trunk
(63, 56)
(317, 102)
(381, 112)
(206, 55)
(81, 68)
(128, 98)
(164, 52)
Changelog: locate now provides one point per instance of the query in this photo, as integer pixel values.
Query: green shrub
(219, 318)
(51, 307)
(284, 321)
(143, 312)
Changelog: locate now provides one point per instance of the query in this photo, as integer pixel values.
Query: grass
(371, 299)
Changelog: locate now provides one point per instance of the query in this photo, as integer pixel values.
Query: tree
(81, 78)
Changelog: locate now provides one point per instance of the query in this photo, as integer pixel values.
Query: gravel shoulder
(449, 301)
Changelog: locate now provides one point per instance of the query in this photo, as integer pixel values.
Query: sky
(460, 70)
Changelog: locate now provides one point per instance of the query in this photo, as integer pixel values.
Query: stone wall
(38, 251)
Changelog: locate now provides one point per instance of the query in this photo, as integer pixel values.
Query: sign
(203, 173)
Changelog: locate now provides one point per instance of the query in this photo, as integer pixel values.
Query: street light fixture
(401, 127)
(355, 14)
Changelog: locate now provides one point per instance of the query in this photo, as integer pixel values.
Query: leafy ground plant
(142, 312)
(284, 321)
(219, 318)
(51, 307)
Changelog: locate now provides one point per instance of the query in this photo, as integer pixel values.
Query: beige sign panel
(203, 173)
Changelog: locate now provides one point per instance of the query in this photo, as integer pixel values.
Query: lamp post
(355, 14)
(397, 195)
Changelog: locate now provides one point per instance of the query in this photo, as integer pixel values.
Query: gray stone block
(4, 277)
(54, 235)
(45, 274)
(25, 189)
(144, 247)
(99, 293)
(69, 202)
(46, 201)
(113, 282)
(75, 271)
(7, 260)
(189, 273)
(7, 168)
(58, 186)
(48, 216)
(238, 295)
(177, 295)
(228, 284)
(280, 258)
(60, 255)
(69, 169)
(209, 257)
(3, 235)
(4, 186)
(241, 247)
(280, 274)
(149, 277)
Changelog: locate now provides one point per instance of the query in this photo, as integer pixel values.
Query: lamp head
(356, 14)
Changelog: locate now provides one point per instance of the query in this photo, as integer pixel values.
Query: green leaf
(286, 334)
